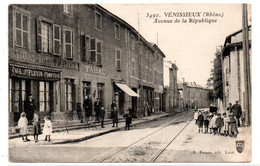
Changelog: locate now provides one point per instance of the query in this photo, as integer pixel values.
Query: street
(169, 139)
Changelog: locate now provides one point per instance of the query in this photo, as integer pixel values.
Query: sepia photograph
(129, 83)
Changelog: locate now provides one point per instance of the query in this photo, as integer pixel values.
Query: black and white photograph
(129, 83)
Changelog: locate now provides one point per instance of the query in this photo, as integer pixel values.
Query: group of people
(222, 124)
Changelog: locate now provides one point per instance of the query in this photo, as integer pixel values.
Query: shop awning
(127, 90)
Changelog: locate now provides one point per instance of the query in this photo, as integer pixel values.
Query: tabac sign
(33, 73)
(93, 70)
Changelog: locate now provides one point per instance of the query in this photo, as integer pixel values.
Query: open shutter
(38, 36)
(99, 48)
(83, 48)
(93, 50)
(56, 39)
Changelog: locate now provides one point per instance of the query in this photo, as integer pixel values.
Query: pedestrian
(229, 108)
(87, 105)
(22, 124)
(237, 112)
(243, 118)
(97, 109)
(219, 123)
(232, 126)
(128, 119)
(47, 129)
(225, 125)
(147, 107)
(206, 122)
(196, 114)
(200, 121)
(36, 127)
(214, 126)
(29, 108)
(102, 114)
(114, 114)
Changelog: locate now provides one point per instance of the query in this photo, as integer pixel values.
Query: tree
(215, 80)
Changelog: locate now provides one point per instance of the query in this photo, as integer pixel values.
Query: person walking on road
(29, 108)
(237, 112)
(114, 114)
(36, 126)
(102, 114)
(22, 124)
(128, 119)
(200, 121)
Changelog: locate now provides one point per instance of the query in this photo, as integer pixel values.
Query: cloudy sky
(191, 46)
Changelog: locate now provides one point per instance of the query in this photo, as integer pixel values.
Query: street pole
(246, 64)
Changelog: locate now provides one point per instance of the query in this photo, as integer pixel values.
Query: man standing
(237, 112)
(102, 114)
(29, 108)
(87, 106)
(97, 109)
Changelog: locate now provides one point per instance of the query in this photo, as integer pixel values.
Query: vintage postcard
(129, 83)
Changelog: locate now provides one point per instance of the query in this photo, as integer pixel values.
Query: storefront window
(69, 94)
(44, 96)
(100, 88)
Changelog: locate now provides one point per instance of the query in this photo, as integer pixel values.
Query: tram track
(178, 119)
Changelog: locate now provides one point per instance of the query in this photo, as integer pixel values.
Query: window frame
(133, 73)
(96, 25)
(118, 69)
(117, 37)
(60, 42)
(65, 28)
(28, 14)
(96, 51)
(71, 9)
(86, 48)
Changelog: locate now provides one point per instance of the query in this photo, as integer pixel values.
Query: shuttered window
(21, 29)
(84, 48)
(96, 51)
(118, 60)
(68, 43)
(56, 39)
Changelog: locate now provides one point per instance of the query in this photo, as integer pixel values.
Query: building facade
(62, 53)
(234, 69)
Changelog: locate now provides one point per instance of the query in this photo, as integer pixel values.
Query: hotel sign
(33, 73)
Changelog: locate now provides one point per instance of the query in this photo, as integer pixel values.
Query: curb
(102, 133)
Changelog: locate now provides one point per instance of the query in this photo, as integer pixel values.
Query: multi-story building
(234, 77)
(61, 53)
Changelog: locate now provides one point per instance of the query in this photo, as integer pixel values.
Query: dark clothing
(114, 114)
(200, 121)
(102, 115)
(29, 109)
(97, 108)
(237, 111)
(87, 105)
(128, 120)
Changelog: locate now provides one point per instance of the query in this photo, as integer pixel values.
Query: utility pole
(247, 73)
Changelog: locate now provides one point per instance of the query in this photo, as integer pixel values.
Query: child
(232, 125)
(36, 127)
(196, 116)
(114, 113)
(219, 123)
(22, 124)
(206, 122)
(225, 124)
(47, 129)
(214, 126)
(200, 121)
(128, 119)
(243, 118)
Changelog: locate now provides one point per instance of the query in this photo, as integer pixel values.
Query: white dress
(47, 129)
(22, 124)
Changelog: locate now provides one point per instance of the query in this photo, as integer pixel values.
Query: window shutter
(38, 36)
(99, 60)
(56, 39)
(83, 47)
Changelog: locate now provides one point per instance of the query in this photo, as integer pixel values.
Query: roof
(157, 48)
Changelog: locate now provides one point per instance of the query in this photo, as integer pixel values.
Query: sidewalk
(78, 135)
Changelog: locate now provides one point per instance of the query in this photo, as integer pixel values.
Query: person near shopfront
(237, 112)
(102, 114)
(47, 129)
(22, 124)
(229, 109)
(114, 114)
(97, 109)
(29, 108)
(87, 106)
(36, 126)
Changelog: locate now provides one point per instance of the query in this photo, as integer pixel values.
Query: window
(46, 32)
(133, 67)
(69, 94)
(85, 48)
(118, 60)
(44, 96)
(56, 39)
(86, 89)
(132, 43)
(21, 28)
(117, 31)
(67, 9)
(98, 21)
(96, 51)
(100, 92)
(127, 38)
(68, 43)
(146, 73)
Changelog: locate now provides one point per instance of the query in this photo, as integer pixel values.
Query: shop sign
(94, 70)
(33, 73)
(42, 59)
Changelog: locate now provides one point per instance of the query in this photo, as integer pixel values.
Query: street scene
(89, 84)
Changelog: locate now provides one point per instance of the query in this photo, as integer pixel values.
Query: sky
(191, 46)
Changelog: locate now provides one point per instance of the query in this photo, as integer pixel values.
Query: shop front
(40, 82)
